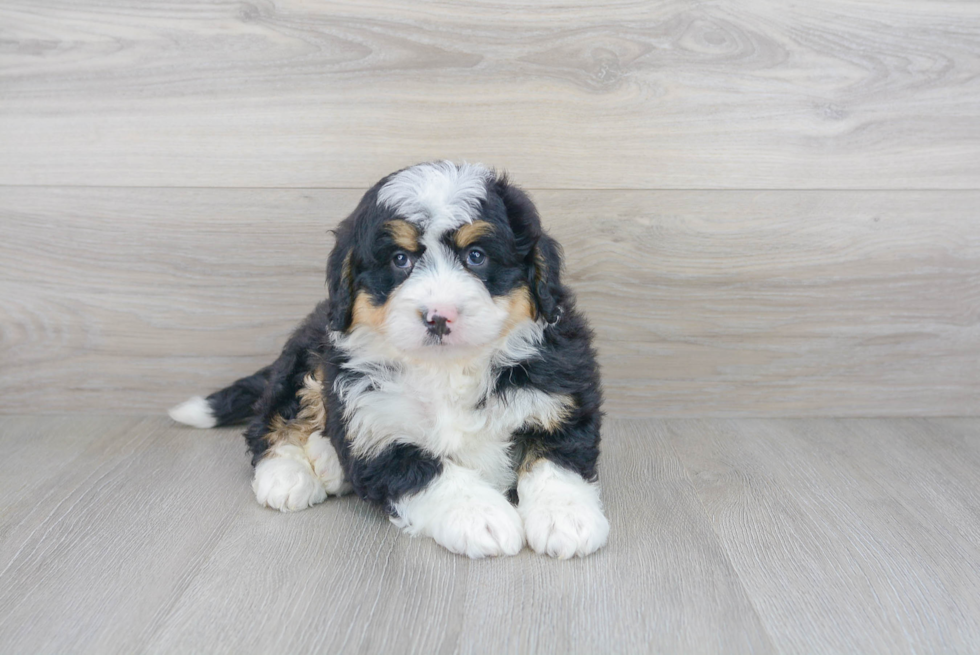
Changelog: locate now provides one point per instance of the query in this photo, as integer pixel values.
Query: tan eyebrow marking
(471, 232)
(405, 234)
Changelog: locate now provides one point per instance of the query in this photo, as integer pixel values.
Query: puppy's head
(442, 258)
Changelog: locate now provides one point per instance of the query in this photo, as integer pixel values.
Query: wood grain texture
(610, 94)
(109, 528)
(122, 535)
(705, 303)
(409, 595)
(158, 547)
(850, 536)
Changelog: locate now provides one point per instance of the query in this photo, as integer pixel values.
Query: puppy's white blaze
(437, 196)
(562, 512)
(195, 412)
(462, 513)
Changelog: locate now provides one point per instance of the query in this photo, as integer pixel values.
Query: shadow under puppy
(447, 372)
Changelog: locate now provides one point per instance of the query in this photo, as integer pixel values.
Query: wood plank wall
(768, 209)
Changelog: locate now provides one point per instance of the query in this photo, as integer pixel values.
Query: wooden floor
(122, 535)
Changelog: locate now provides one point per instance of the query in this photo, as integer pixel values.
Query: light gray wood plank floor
(131, 534)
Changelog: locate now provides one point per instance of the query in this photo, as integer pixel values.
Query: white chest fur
(444, 409)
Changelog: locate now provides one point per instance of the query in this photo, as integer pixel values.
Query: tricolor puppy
(448, 374)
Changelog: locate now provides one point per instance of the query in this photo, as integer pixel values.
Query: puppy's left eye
(401, 260)
(476, 257)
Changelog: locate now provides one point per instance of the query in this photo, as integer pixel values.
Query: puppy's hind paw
(287, 484)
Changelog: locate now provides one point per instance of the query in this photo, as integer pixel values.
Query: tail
(233, 404)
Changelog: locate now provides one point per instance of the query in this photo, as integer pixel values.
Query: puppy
(447, 374)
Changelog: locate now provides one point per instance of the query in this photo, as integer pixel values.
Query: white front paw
(563, 530)
(463, 514)
(286, 484)
(480, 529)
(562, 512)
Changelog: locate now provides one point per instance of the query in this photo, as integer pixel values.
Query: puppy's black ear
(340, 277)
(545, 274)
(542, 254)
(350, 255)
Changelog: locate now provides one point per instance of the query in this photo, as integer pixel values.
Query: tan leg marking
(312, 415)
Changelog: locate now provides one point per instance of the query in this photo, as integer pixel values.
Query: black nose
(437, 325)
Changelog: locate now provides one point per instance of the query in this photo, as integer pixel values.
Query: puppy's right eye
(401, 260)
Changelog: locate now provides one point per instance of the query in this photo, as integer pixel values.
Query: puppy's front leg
(562, 511)
(463, 513)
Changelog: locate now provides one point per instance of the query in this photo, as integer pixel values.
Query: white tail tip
(195, 412)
